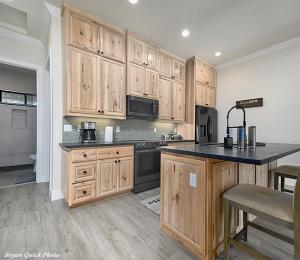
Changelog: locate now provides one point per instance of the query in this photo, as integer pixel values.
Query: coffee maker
(87, 132)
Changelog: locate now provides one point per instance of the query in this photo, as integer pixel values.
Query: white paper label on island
(193, 179)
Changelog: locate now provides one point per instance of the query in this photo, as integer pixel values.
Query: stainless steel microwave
(137, 107)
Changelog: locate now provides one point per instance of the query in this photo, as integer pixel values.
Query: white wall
(275, 77)
(16, 80)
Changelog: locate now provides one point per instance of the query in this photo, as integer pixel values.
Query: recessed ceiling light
(185, 33)
(133, 1)
(217, 54)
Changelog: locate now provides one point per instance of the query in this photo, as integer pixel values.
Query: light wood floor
(121, 228)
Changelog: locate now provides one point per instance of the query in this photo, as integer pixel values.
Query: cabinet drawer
(83, 172)
(113, 152)
(84, 155)
(84, 191)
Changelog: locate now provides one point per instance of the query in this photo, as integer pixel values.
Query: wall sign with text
(255, 102)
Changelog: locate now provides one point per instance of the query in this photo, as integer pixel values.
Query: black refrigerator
(206, 125)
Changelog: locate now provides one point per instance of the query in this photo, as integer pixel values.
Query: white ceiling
(234, 27)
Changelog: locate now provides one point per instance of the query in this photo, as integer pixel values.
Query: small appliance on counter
(252, 137)
(87, 132)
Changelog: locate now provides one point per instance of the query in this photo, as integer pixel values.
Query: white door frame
(42, 163)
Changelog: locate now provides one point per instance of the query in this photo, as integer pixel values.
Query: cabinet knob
(116, 161)
(99, 111)
(146, 64)
(98, 51)
(84, 172)
(118, 152)
(119, 161)
(102, 52)
(172, 117)
(84, 192)
(84, 155)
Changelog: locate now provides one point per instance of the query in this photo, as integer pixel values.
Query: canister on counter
(252, 137)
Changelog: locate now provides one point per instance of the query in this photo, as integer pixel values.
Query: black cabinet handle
(84, 192)
(119, 161)
(118, 152)
(99, 111)
(84, 172)
(84, 155)
(98, 51)
(102, 52)
(116, 161)
(172, 117)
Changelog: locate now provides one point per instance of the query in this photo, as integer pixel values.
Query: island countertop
(261, 155)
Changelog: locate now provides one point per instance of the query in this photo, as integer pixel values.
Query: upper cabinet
(112, 44)
(205, 74)
(165, 64)
(141, 53)
(83, 82)
(85, 33)
(171, 67)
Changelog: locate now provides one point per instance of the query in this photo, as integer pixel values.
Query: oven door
(147, 166)
(137, 107)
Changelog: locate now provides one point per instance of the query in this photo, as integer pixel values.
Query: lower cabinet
(106, 172)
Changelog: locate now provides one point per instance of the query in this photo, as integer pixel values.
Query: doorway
(18, 125)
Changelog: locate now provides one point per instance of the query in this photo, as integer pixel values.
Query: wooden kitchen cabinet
(171, 100)
(200, 94)
(178, 102)
(210, 97)
(83, 33)
(113, 88)
(125, 176)
(165, 64)
(151, 84)
(112, 44)
(141, 53)
(205, 74)
(92, 174)
(107, 177)
(83, 82)
(178, 70)
(165, 98)
(182, 204)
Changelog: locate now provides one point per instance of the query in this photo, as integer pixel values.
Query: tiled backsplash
(130, 129)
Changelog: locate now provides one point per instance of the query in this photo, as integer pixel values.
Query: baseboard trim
(56, 195)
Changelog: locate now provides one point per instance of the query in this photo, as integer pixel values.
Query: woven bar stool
(272, 205)
(285, 171)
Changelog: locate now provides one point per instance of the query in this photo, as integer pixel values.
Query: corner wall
(275, 77)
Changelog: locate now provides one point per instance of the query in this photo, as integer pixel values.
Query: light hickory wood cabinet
(142, 82)
(205, 96)
(83, 82)
(113, 88)
(205, 73)
(171, 100)
(171, 67)
(183, 205)
(140, 52)
(94, 174)
(94, 57)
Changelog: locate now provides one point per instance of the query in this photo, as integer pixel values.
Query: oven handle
(146, 150)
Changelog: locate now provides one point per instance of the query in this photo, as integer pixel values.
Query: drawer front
(83, 172)
(113, 152)
(84, 192)
(84, 155)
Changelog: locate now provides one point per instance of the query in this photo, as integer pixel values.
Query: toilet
(33, 158)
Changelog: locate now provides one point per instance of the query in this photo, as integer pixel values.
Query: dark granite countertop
(68, 146)
(262, 154)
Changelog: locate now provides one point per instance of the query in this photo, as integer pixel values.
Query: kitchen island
(193, 180)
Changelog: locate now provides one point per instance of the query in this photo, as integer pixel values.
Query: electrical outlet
(193, 179)
(175, 130)
(154, 129)
(67, 128)
(118, 129)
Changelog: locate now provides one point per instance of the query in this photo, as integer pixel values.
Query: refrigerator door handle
(209, 130)
(197, 134)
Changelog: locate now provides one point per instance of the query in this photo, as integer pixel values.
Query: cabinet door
(113, 44)
(113, 88)
(125, 174)
(165, 65)
(151, 84)
(178, 103)
(183, 205)
(200, 94)
(135, 50)
(224, 177)
(150, 56)
(210, 97)
(212, 77)
(83, 33)
(136, 80)
(107, 177)
(201, 72)
(83, 82)
(179, 70)
(165, 98)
